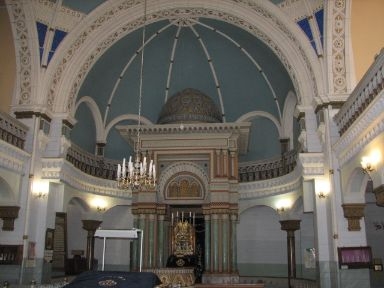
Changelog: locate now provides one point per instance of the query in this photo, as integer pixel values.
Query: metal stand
(127, 234)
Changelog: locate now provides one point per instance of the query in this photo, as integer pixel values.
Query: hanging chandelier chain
(141, 75)
(137, 174)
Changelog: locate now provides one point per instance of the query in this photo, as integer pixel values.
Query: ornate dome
(189, 106)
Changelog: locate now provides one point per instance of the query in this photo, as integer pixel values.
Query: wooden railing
(91, 164)
(12, 131)
(249, 171)
(268, 168)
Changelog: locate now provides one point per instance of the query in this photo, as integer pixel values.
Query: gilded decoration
(183, 241)
(188, 106)
(184, 186)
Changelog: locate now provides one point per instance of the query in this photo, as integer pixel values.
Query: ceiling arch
(257, 19)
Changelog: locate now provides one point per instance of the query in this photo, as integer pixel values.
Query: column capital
(9, 214)
(353, 212)
(91, 225)
(379, 193)
(290, 225)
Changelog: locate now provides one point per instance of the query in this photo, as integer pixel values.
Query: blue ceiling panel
(319, 15)
(221, 60)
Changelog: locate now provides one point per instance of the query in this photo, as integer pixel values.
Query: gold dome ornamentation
(190, 106)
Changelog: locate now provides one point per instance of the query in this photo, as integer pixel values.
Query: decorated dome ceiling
(189, 106)
(233, 73)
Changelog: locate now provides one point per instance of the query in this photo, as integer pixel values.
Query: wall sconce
(322, 188)
(368, 163)
(280, 210)
(321, 195)
(40, 189)
(101, 209)
(283, 205)
(99, 204)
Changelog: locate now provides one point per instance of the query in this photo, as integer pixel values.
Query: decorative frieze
(339, 81)
(353, 212)
(140, 208)
(216, 208)
(17, 15)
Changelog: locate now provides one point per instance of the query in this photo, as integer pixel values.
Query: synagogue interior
(192, 143)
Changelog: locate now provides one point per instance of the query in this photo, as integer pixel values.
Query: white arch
(355, 187)
(254, 114)
(288, 112)
(258, 18)
(91, 104)
(123, 117)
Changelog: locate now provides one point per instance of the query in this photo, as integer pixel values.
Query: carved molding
(312, 163)
(339, 81)
(353, 212)
(9, 214)
(13, 158)
(20, 27)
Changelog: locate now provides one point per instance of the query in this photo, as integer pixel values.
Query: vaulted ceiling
(241, 74)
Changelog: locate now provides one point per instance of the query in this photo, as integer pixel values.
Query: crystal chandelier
(137, 174)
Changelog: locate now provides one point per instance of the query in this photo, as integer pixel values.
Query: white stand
(127, 234)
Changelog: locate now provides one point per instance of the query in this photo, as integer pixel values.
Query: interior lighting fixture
(369, 162)
(322, 188)
(40, 189)
(138, 173)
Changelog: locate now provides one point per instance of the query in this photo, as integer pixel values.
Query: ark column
(151, 218)
(215, 243)
(207, 252)
(233, 242)
(161, 240)
(225, 228)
